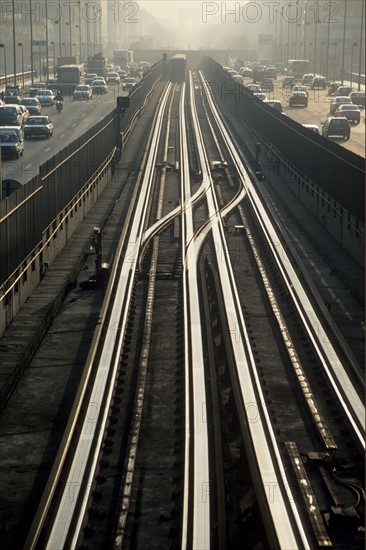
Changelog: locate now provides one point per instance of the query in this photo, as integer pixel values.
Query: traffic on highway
(40, 114)
(312, 102)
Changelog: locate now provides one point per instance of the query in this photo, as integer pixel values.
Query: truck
(67, 60)
(97, 64)
(68, 77)
(123, 58)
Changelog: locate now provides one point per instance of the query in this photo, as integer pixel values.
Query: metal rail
(348, 398)
(284, 526)
(196, 503)
(68, 521)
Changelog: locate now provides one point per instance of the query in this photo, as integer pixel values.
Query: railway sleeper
(314, 514)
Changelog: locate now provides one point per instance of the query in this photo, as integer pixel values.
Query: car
(39, 126)
(280, 68)
(312, 127)
(351, 112)
(275, 104)
(89, 77)
(260, 95)
(35, 87)
(254, 88)
(144, 66)
(11, 115)
(238, 78)
(271, 72)
(129, 83)
(11, 141)
(45, 97)
(333, 87)
(301, 88)
(32, 104)
(245, 71)
(266, 84)
(25, 112)
(358, 98)
(52, 84)
(259, 72)
(122, 74)
(344, 90)
(318, 82)
(83, 92)
(288, 82)
(298, 98)
(11, 95)
(113, 78)
(307, 79)
(337, 101)
(336, 126)
(99, 86)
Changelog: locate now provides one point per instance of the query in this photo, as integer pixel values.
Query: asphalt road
(75, 118)
(78, 116)
(317, 112)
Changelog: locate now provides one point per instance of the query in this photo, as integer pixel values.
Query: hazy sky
(170, 9)
(189, 20)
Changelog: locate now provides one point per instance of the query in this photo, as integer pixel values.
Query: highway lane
(74, 120)
(78, 116)
(317, 112)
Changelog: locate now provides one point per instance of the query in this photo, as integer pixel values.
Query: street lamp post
(360, 52)
(5, 72)
(275, 40)
(20, 44)
(353, 46)
(334, 60)
(344, 37)
(79, 27)
(14, 49)
(31, 40)
(321, 56)
(70, 28)
(315, 37)
(309, 56)
(47, 53)
(305, 23)
(328, 43)
(54, 57)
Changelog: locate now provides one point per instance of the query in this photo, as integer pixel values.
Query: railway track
(222, 406)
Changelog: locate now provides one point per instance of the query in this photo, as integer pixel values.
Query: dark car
(338, 101)
(12, 95)
(34, 89)
(351, 112)
(288, 82)
(344, 90)
(318, 82)
(298, 98)
(333, 87)
(11, 141)
(33, 105)
(271, 72)
(38, 126)
(336, 126)
(358, 98)
(266, 85)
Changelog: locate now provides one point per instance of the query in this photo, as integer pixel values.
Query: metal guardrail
(9, 79)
